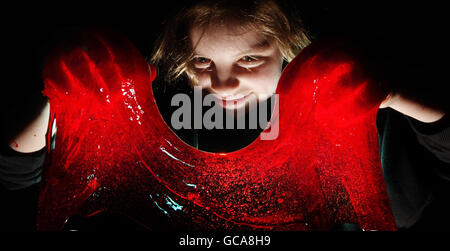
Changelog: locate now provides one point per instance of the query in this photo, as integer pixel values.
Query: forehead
(232, 40)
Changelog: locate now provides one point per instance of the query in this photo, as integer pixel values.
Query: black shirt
(416, 165)
(20, 176)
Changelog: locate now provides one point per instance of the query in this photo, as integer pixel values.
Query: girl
(238, 57)
(234, 51)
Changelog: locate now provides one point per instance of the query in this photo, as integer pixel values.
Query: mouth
(234, 101)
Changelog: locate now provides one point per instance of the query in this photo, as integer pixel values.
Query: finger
(128, 62)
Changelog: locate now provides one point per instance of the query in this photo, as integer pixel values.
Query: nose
(224, 82)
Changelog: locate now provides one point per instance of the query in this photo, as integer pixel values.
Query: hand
(332, 80)
(99, 89)
(95, 65)
(387, 101)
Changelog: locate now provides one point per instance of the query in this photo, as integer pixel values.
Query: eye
(201, 62)
(250, 61)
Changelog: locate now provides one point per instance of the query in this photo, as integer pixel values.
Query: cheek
(204, 79)
(264, 80)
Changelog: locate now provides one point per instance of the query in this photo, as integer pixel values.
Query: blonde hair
(174, 51)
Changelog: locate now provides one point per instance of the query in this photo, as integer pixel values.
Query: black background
(408, 40)
(410, 35)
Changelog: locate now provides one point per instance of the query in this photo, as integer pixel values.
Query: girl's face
(236, 66)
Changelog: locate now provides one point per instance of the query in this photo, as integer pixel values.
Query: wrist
(387, 101)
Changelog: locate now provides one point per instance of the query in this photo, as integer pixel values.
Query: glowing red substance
(114, 151)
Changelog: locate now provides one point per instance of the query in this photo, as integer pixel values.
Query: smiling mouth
(234, 101)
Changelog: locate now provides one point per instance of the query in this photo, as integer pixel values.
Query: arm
(32, 138)
(432, 126)
(412, 108)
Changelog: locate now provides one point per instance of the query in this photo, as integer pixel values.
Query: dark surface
(18, 209)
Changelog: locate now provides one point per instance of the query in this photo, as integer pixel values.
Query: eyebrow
(255, 48)
(261, 44)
